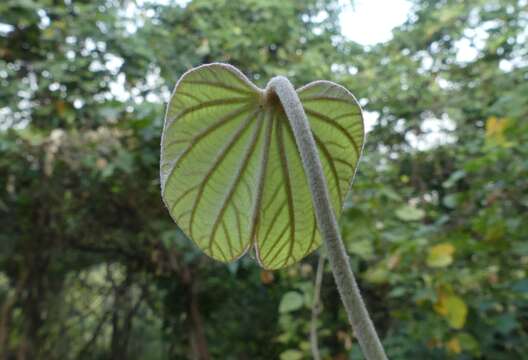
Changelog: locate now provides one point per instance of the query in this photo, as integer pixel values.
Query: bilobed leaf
(231, 174)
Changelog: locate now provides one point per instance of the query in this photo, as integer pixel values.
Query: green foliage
(92, 267)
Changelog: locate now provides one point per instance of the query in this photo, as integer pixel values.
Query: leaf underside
(231, 174)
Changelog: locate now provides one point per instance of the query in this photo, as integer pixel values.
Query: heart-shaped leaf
(231, 173)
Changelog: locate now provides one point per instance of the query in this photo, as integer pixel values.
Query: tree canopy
(93, 267)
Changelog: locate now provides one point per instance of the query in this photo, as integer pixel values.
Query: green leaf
(468, 342)
(409, 213)
(363, 248)
(450, 201)
(231, 174)
(291, 355)
(440, 255)
(377, 274)
(291, 301)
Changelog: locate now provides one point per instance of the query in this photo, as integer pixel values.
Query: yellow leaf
(453, 308)
(440, 255)
(495, 130)
(453, 346)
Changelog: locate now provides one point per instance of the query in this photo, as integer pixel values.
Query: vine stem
(326, 220)
(316, 307)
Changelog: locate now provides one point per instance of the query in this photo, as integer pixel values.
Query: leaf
(495, 129)
(409, 213)
(453, 308)
(453, 346)
(440, 255)
(469, 343)
(291, 301)
(377, 274)
(291, 355)
(450, 201)
(231, 174)
(362, 248)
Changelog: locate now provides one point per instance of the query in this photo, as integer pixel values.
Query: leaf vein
(240, 172)
(219, 158)
(336, 125)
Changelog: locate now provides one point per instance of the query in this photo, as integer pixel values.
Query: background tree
(91, 266)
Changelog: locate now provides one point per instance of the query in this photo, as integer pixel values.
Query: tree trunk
(197, 338)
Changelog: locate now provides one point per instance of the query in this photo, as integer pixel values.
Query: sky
(364, 23)
(371, 21)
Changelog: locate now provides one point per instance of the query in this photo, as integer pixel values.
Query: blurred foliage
(92, 267)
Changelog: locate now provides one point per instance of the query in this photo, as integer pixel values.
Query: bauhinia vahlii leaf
(231, 173)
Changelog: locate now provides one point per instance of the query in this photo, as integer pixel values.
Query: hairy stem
(316, 308)
(326, 220)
